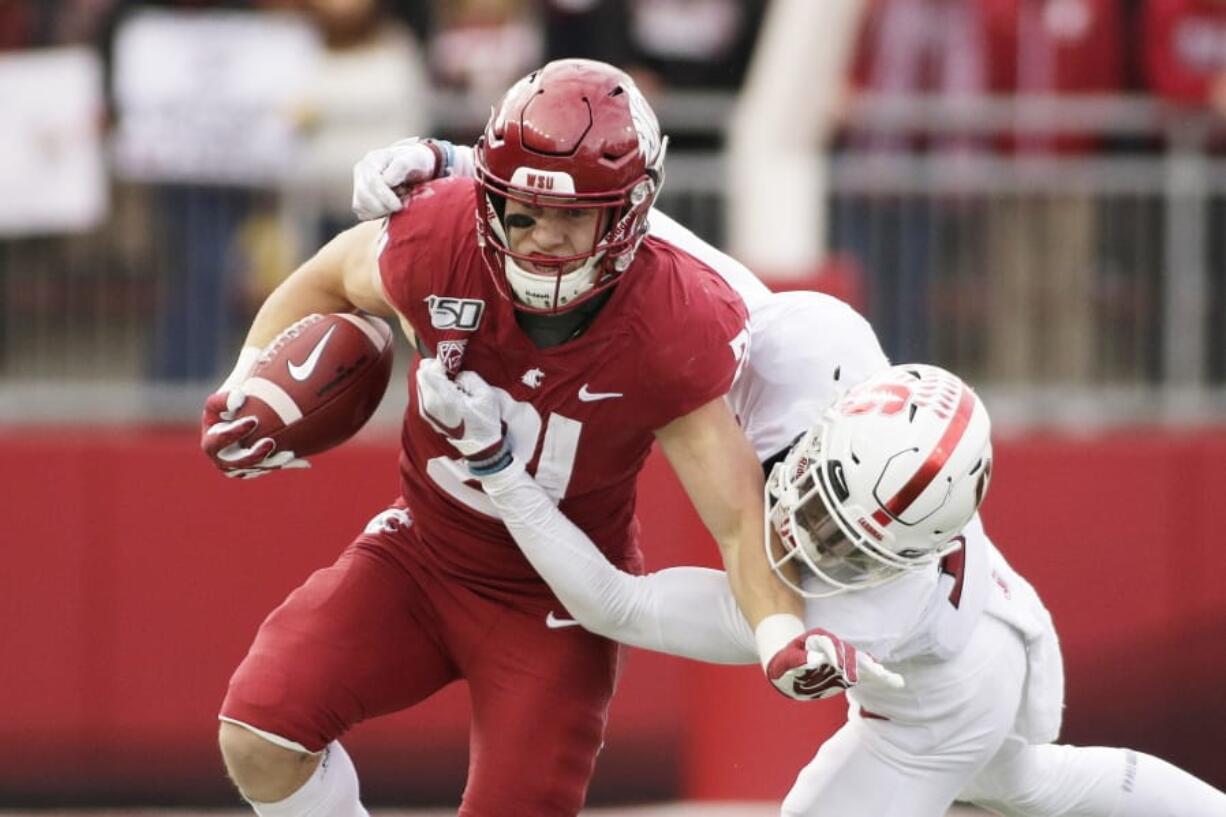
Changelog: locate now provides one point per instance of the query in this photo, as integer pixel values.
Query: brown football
(319, 382)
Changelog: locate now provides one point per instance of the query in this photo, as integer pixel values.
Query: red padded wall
(135, 576)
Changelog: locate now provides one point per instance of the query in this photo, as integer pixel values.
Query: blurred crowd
(1175, 49)
(382, 62)
(477, 45)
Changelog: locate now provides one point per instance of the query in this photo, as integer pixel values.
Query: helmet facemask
(617, 235)
(802, 494)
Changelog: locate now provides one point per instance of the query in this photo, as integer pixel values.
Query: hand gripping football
(319, 382)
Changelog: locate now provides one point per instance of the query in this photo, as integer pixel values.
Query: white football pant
(950, 736)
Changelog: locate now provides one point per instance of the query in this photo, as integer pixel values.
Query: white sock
(332, 791)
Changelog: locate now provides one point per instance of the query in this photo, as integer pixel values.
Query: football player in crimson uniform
(596, 339)
(876, 504)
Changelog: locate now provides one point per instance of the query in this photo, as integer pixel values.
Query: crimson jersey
(581, 414)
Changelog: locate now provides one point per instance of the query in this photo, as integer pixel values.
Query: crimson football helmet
(883, 483)
(573, 134)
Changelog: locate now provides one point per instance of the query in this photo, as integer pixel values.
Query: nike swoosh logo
(555, 623)
(586, 396)
(455, 432)
(301, 371)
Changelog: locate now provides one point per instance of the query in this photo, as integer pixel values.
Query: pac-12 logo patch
(451, 354)
(455, 313)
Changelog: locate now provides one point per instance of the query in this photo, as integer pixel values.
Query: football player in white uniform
(873, 520)
(874, 496)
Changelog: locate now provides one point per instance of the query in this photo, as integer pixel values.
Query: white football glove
(818, 664)
(383, 175)
(222, 431)
(466, 412)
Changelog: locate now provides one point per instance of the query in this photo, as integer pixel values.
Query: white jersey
(922, 614)
(805, 348)
(752, 291)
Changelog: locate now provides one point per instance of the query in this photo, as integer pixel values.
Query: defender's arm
(719, 471)
(685, 611)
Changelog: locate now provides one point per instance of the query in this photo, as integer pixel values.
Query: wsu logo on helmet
(545, 181)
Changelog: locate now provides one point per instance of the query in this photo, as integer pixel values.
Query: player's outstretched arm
(685, 611)
(341, 277)
(718, 469)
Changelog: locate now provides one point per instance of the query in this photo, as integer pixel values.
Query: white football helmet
(883, 483)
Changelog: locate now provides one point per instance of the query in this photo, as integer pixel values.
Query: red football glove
(221, 434)
(818, 664)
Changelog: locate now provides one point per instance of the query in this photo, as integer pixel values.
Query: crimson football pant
(382, 629)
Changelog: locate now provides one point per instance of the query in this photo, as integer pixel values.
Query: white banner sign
(209, 96)
(52, 174)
